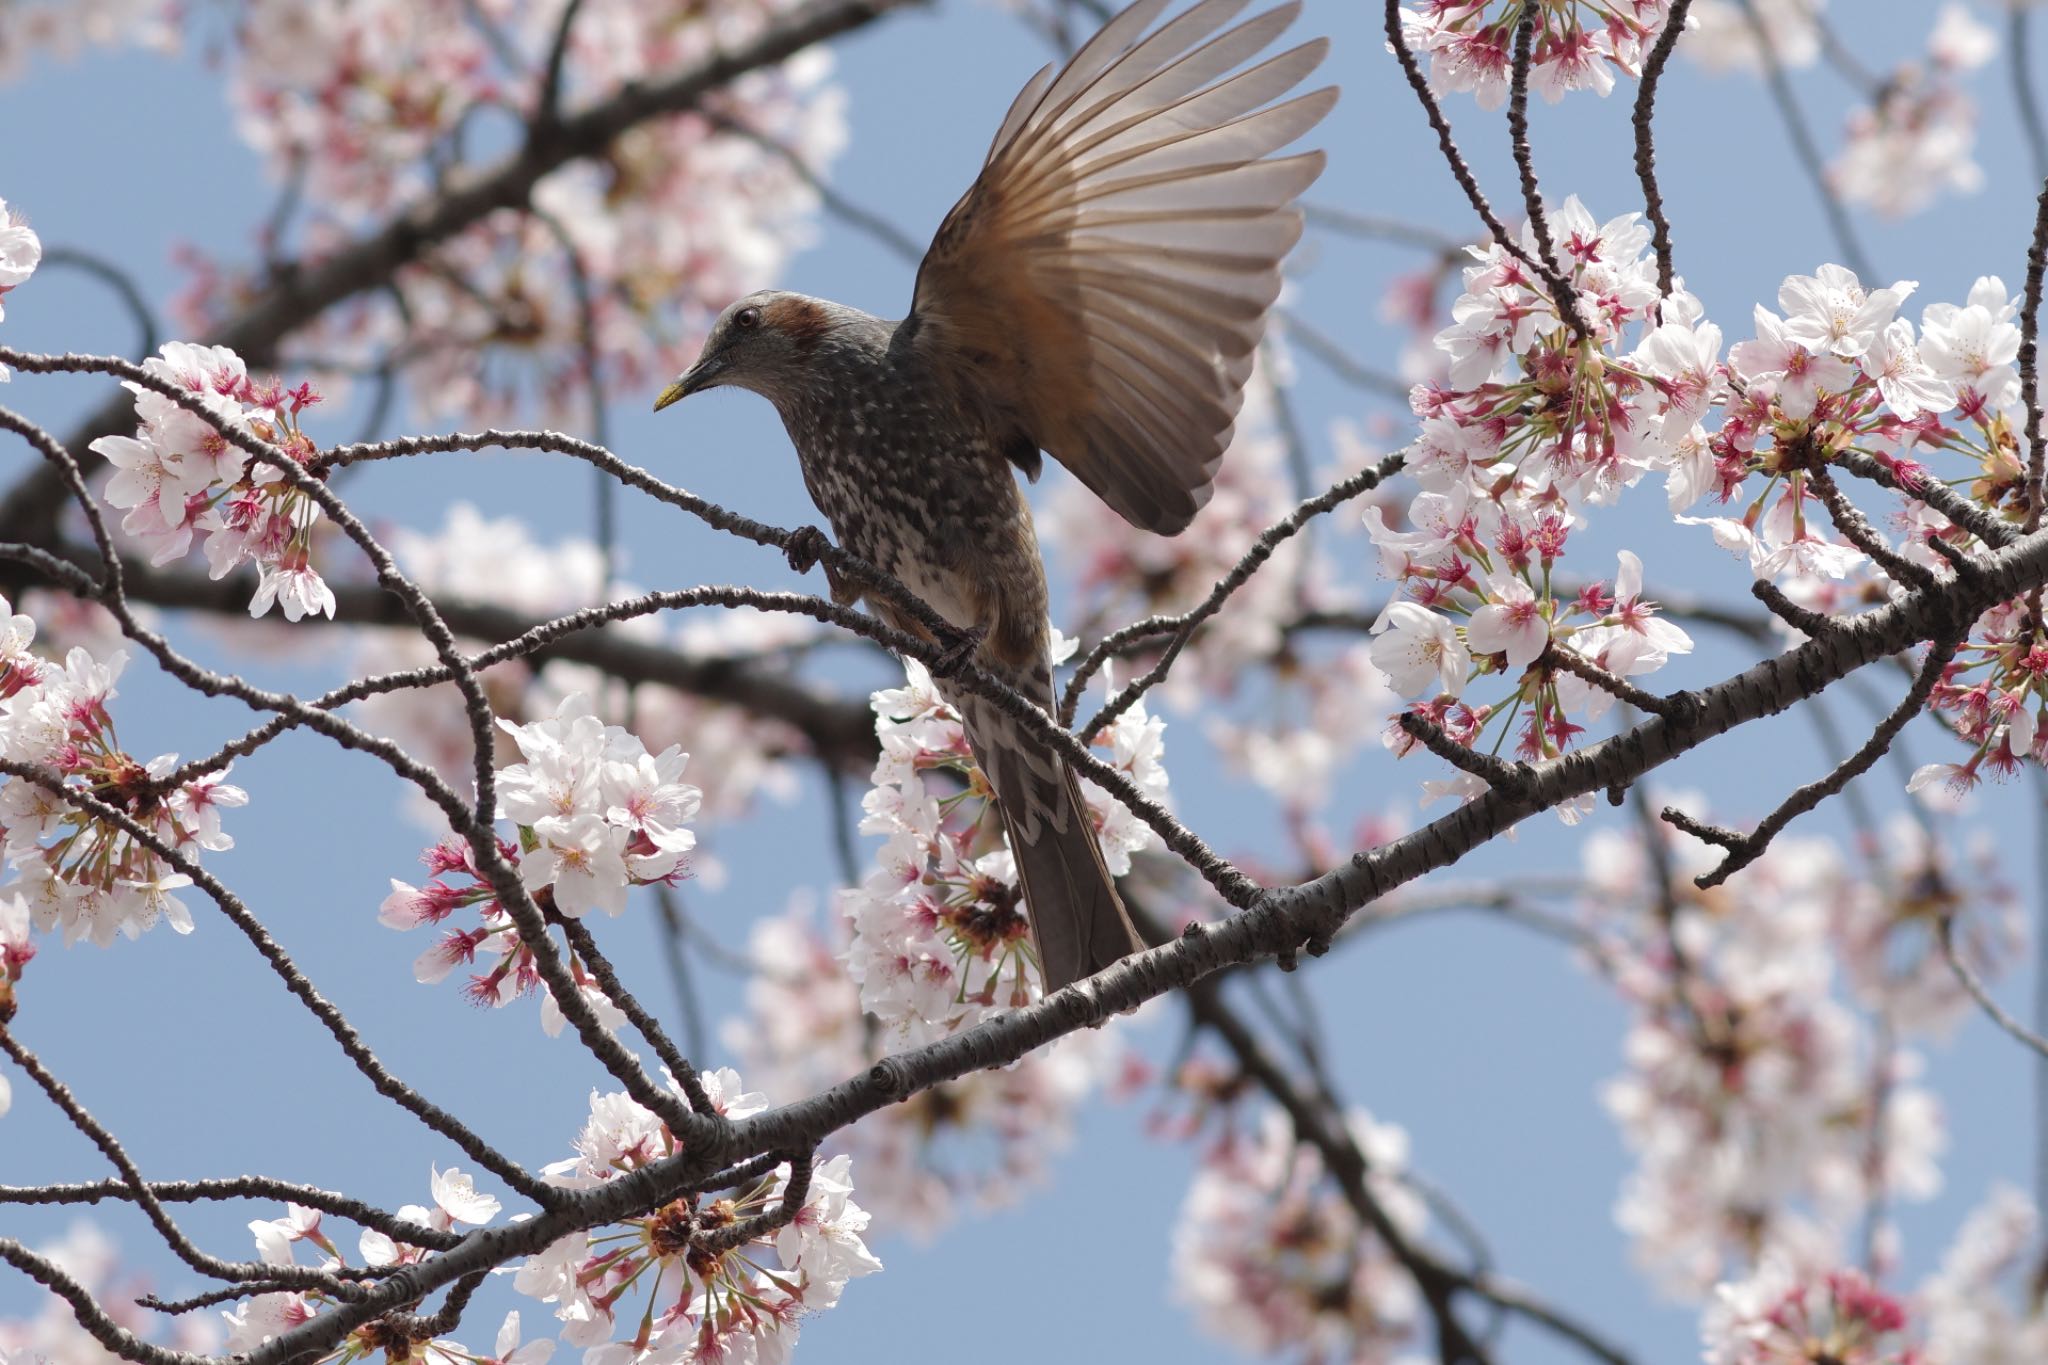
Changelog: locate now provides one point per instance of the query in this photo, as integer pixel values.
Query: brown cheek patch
(802, 321)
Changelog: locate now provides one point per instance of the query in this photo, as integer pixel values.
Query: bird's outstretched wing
(1105, 281)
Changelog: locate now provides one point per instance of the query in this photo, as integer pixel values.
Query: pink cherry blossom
(1511, 623)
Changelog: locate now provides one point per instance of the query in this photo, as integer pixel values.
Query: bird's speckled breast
(914, 483)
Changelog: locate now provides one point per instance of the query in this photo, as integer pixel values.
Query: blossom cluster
(1916, 137)
(977, 1142)
(1913, 141)
(709, 1278)
(262, 1317)
(1841, 375)
(1561, 393)
(1271, 1258)
(1981, 1305)
(934, 939)
(596, 815)
(20, 252)
(940, 935)
(77, 870)
(53, 1335)
(1541, 419)
(65, 28)
(180, 475)
(1767, 1115)
(1770, 1119)
(1578, 45)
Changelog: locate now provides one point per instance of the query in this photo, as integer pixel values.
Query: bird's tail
(1077, 919)
(1076, 915)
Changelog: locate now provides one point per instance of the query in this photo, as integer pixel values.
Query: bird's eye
(747, 319)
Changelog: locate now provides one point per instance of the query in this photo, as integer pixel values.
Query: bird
(1096, 295)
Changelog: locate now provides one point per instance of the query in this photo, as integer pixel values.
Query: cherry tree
(1440, 574)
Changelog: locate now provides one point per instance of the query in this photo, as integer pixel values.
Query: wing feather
(1103, 285)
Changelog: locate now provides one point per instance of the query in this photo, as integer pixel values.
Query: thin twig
(1744, 849)
(1852, 524)
(1643, 119)
(139, 1191)
(547, 106)
(1187, 623)
(1447, 146)
(1944, 929)
(1562, 296)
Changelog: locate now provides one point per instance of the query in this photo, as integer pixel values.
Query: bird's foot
(958, 650)
(805, 546)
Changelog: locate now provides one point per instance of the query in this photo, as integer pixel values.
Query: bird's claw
(805, 546)
(963, 644)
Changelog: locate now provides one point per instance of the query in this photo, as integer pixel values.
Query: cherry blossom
(596, 815)
(940, 936)
(979, 1142)
(1749, 1092)
(1915, 141)
(1578, 44)
(1909, 386)
(77, 871)
(743, 1298)
(1779, 1317)
(1975, 346)
(20, 251)
(1511, 624)
(1727, 38)
(588, 799)
(180, 475)
(1831, 313)
(52, 1333)
(1270, 1257)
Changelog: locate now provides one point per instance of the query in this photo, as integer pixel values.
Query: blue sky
(1488, 1046)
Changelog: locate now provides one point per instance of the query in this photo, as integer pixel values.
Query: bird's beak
(699, 376)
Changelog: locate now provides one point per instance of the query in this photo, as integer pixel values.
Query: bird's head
(763, 342)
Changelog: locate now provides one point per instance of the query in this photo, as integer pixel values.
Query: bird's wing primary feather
(1105, 281)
